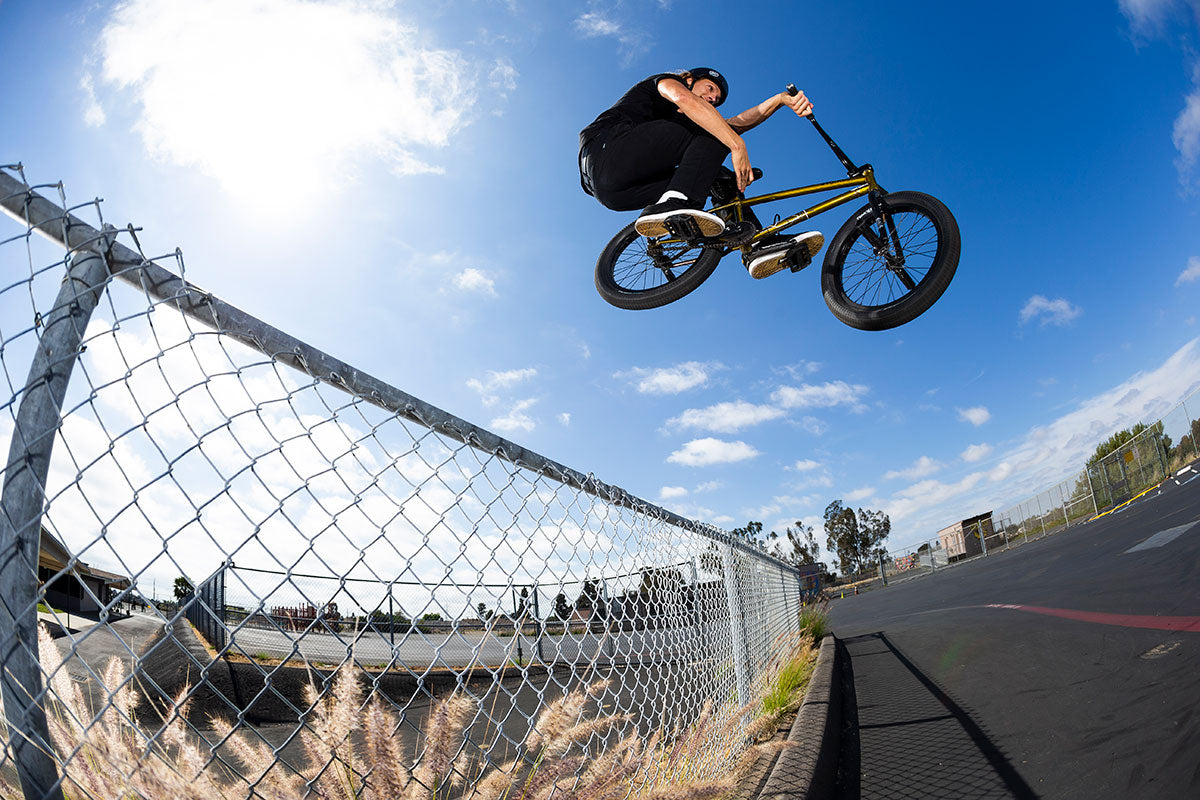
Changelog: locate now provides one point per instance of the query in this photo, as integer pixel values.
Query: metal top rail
(19, 200)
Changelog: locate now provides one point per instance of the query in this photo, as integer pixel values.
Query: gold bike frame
(863, 183)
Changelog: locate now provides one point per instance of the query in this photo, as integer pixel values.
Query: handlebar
(837, 151)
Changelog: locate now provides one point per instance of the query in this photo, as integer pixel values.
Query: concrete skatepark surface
(1065, 668)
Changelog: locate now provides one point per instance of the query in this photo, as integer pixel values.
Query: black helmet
(715, 77)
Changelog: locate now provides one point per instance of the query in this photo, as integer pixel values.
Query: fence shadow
(905, 737)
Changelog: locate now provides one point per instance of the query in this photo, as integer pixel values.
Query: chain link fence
(1161, 449)
(230, 515)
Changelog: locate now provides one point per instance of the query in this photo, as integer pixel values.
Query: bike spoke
(647, 264)
(889, 258)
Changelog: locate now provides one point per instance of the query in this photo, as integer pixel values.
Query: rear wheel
(891, 261)
(637, 273)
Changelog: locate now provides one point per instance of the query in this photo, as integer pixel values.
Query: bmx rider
(661, 147)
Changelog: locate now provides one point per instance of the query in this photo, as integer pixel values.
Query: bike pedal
(737, 234)
(798, 258)
(684, 227)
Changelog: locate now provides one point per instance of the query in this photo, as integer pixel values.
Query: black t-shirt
(640, 104)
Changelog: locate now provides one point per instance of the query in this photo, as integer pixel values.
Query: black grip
(792, 90)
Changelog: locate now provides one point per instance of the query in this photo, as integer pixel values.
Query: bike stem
(851, 169)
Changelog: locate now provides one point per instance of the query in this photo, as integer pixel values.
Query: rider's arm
(708, 118)
(756, 115)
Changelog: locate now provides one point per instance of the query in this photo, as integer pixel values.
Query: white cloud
(859, 494)
(726, 417)
(672, 492)
(976, 415)
(1148, 19)
(761, 512)
(822, 480)
(594, 24)
(1052, 312)
(703, 452)
(516, 419)
(564, 419)
(921, 467)
(503, 75)
(825, 395)
(813, 425)
(632, 40)
(501, 380)
(1000, 472)
(474, 280)
(802, 369)
(93, 112)
(1191, 273)
(976, 452)
(1145, 16)
(805, 465)
(1186, 136)
(670, 380)
(929, 494)
(268, 95)
(709, 486)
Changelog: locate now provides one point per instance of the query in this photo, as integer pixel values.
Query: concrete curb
(808, 768)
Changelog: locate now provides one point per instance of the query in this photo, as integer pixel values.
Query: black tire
(868, 287)
(628, 276)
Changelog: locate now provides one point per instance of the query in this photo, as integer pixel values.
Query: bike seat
(724, 188)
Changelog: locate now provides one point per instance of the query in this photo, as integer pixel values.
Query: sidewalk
(904, 737)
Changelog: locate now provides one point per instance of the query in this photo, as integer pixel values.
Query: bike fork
(894, 254)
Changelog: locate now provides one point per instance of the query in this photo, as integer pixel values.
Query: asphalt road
(1065, 668)
(461, 649)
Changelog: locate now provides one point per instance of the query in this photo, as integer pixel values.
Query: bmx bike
(886, 265)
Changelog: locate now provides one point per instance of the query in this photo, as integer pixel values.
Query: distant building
(82, 589)
(963, 539)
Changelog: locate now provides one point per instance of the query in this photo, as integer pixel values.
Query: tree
(804, 543)
(751, 534)
(484, 612)
(856, 538)
(523, 608)
(590, 597)
(562, 609)
(1122, 438)
(183, 588)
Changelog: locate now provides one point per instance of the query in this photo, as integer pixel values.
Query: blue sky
(395, 183)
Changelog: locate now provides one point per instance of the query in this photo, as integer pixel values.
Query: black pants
(633, 165)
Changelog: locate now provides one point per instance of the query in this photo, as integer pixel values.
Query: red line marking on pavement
(1123, 620)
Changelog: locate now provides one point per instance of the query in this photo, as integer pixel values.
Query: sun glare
(279, 99)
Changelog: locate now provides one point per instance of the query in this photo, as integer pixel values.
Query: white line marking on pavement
(1161, 650)
(1163, 537)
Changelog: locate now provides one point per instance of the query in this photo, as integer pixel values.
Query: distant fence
(1140, 464)
(323, 517)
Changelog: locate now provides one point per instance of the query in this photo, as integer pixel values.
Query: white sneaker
(653, 221)
(773, 258)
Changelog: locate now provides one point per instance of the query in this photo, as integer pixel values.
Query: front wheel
(637, 273)
(891, 261)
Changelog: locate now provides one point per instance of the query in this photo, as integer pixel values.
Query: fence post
(608, 631)
(1092, 489)
(737, 625)
(21, 521)
(932, 557)
(1188, 417)
(982, 538)
(882, 571)
(537, 620)
(701, 624)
